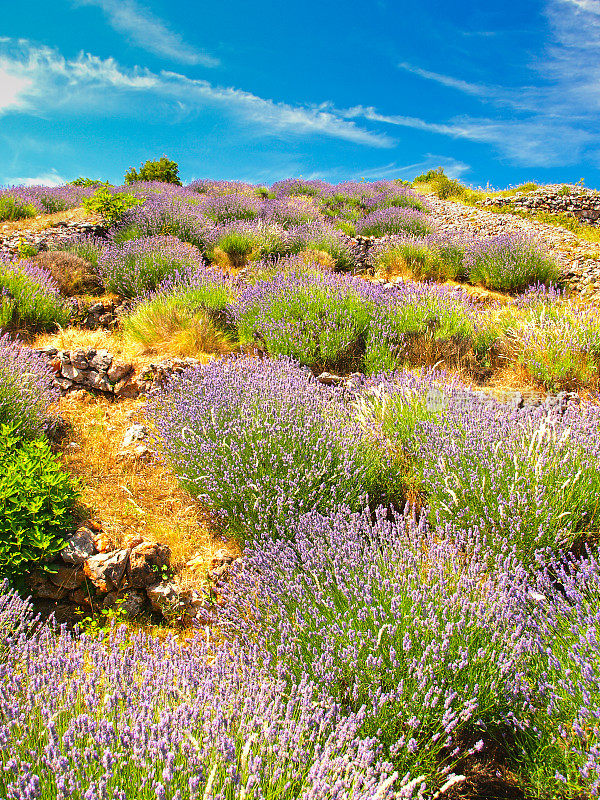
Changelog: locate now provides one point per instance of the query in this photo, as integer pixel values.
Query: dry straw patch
(131, 495)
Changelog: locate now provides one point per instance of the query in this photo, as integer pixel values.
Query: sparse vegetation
(395, 453)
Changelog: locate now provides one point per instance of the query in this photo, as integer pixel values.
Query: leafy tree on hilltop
(163, 170)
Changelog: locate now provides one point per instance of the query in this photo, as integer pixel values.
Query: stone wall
(88, 577)
(583, 204)
(99, 371)
(49, 238)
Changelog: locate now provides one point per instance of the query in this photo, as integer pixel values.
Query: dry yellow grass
(131, 496)
(122, 348)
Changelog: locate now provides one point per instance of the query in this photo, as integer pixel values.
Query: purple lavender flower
(26, 387)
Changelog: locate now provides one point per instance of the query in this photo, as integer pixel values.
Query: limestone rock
(80, 546)
(66, 577)
(147, 564)
(41, 586)
(107, 570)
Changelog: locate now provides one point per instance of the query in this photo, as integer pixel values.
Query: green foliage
(443, 186)
(163, 170)
(111, 206)
(36, 498)
(88, 182)
(25, 249)
(12, 209)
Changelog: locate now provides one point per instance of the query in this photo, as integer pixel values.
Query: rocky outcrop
(51, 238)
(583, 204)
(99, 371)
(135, 579)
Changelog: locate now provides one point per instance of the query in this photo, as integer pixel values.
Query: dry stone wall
(583, 204)
(89, 577)
(99, 371)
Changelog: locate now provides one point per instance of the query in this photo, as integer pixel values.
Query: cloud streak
(149, 32)
(43, 82)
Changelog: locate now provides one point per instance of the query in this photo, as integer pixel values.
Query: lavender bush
(556, 341)
(319, 319)
(87, 717)
(509, 263)
(393, 220)
(411, 325)
(29, 298)
(260, 441)
(559, 745)
(325, 238)
(165, 215)
(526, 479)
(26, 387)
(140, 265)
(230, 207)
(389, 617)
(289, 211)
(431, 257)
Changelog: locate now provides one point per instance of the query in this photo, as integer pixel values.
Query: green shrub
(510, 264)
(425, 326)
(36, 498)
(556, 342)
(88, 182)
(163, 170)
(111, 206)
(443, 186)
(420, 258)
(12, 209)
(185, 319)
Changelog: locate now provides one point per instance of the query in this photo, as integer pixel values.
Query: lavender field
(394, 428)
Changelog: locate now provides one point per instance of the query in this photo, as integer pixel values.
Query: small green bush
(88, 182)
(36, 498)
(111, 206)
(443, 186)
(12, 209)
(163, 170)
(510, 264)
(186, 319)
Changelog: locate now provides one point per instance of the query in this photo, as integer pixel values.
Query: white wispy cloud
(452, 167)
(146, 30)
(44, 81)
(553, 119)
(447, 80)
(51, 178)
(527, 142)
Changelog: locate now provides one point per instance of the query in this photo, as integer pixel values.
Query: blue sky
(492, 91)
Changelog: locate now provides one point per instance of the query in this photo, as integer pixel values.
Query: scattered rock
(80, 546)
(107, 570)
(148, 563)
(66, 577)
